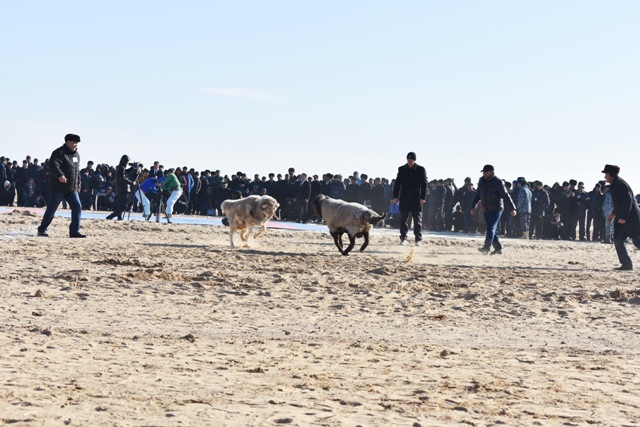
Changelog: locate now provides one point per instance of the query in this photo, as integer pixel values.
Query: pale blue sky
(542, 89)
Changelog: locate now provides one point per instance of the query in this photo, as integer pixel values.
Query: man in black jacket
(302, 197)
(465, 196)
(123, 189)
(410, 189)
(379, 199)
(64, 183)
(595, 215)
(625, 213)
(539, 204)
(493, 195)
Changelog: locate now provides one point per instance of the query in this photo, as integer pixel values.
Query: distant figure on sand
(494, 196)
(626, 215)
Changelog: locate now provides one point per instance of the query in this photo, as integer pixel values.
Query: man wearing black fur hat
(410, 190)
(64, 183)
(626, 215)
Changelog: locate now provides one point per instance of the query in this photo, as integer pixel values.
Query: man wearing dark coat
(626, 215)
(64, 169)
(302, 197)
(410, 189)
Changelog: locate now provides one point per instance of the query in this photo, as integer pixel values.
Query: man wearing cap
(410, 190)
(626, 215)
(64, 183)
(540, 202)
(494, 196)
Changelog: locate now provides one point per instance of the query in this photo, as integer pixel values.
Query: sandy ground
(151, 324)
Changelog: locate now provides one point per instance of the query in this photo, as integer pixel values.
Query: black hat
(487, 168)
(521, 180)
(611, 170)
(598, 185)
(581, 184)
(573, 182)
(411, 155)
(71, 137)
(467, 180)
(565, 184)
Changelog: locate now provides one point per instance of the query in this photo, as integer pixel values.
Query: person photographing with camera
(171, 185)
(123, 188)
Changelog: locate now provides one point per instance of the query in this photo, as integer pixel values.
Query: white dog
(251, 211)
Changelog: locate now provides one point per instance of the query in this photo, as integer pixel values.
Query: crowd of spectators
(561, 211)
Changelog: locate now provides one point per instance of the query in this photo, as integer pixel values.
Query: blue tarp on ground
(176, 219)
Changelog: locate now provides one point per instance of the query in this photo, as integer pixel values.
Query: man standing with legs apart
(64, 183)
(411, 190)
(493, 195)
(626, 215)
(171, 185)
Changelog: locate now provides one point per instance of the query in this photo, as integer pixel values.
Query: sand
(145, 324)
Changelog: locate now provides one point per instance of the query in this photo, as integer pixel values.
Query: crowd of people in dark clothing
(561, 211)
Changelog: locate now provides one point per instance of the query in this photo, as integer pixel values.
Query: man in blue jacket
(494, 196)
(626, 215)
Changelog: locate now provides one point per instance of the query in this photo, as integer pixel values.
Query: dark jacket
(410, 187)
(493, 195)
(336, 189)
(582, 201)
(379, 201)
(540, 201)
(123, 183)
(351, 193)
(303, 190)
(625, 207)
(465, 197)
(562, 200)
(64, 162)
(364, 192)
(595, 205)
